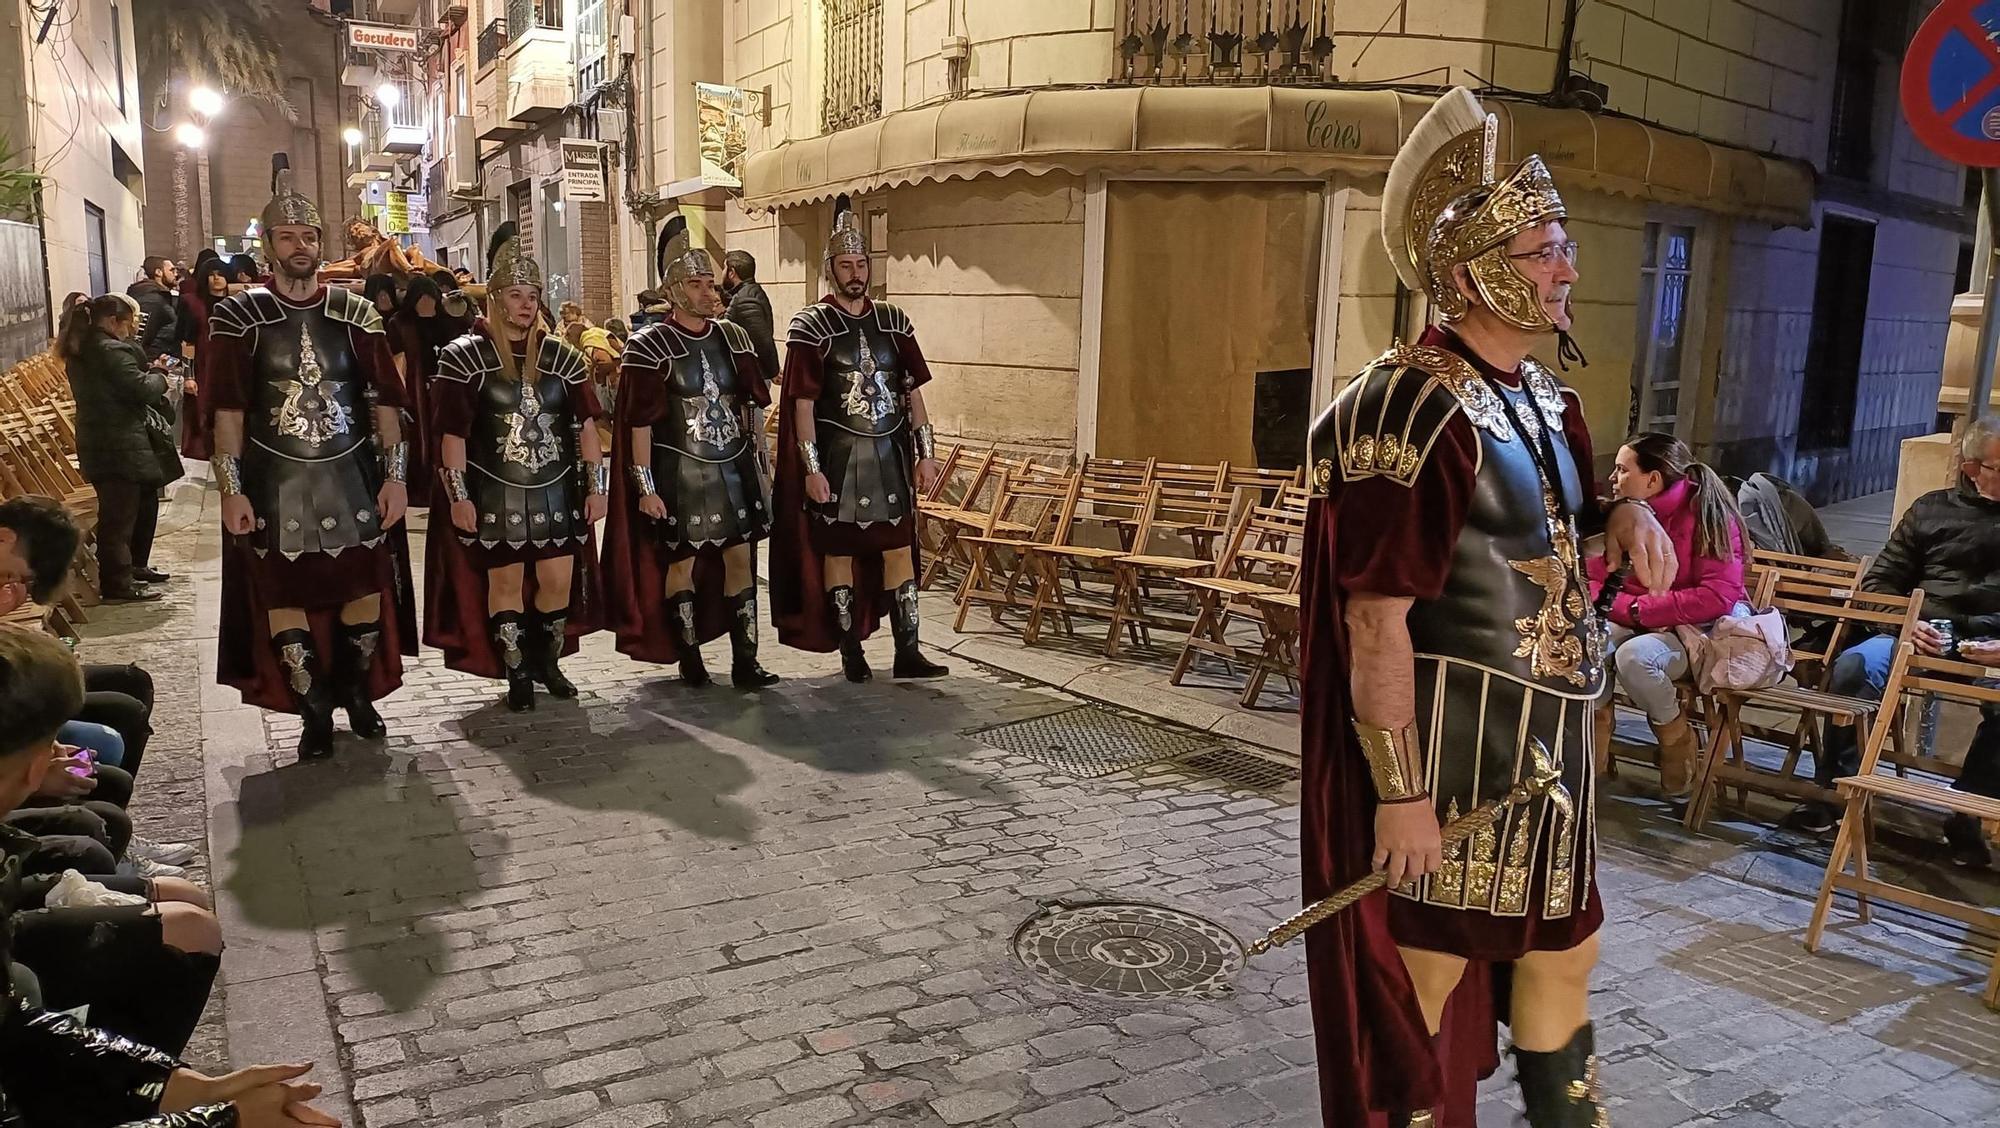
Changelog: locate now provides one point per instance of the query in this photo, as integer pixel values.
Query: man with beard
(1448, 643)
(521, 466)
(854, 447)
(315, 564)
(750, 307)
(689, 503)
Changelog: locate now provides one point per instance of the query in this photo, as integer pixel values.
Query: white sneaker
(166, 853)
(148, 868)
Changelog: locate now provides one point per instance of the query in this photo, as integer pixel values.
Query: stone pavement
(662, 907)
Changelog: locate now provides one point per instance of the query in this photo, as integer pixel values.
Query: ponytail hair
(1718, 523)
(84, 316)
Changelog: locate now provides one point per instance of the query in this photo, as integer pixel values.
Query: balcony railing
(492, 37)
(1248, 42)
(853, 63)
(524, 16)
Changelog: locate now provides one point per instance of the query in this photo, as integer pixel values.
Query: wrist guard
(228, 474)
(926, 442)
(454, 485)
(642, 479)
(1392, 761)
(396, 462)
(596, 478)
(809, 454)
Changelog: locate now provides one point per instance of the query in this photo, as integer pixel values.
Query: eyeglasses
(1547, 257)
(1989, 467)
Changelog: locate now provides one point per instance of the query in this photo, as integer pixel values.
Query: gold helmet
(288, 208)
(679, 260)
(1442, 208)
(508, 262)
(847, 237)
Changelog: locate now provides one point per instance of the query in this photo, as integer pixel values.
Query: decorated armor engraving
(704, 463)
(1510, 651)
(521, 457)
(863, 431)
(308, 464)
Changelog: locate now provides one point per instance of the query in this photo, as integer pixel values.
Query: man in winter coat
(155, 295)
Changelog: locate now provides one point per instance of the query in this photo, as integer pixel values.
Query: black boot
(300, 661)
(1560, 1088)
(507, 640)
(357, 656)
(554, 636)
(680, 617)
(744, 670)
(910, 660)
(853, 663)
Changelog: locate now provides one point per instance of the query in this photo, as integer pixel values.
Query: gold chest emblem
(309, 412)
(868, 395)
(531, 439)
(709, 418)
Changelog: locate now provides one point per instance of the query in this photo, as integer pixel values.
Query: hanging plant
(20, 186)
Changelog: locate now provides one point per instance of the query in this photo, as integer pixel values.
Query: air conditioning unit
(461, 155)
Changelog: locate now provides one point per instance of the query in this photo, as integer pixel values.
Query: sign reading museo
(583, 170)
(382, 37)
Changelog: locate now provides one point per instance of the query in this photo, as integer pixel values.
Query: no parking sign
(1951, 82)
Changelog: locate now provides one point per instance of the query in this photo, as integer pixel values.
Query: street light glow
(351, 135)
(190, 136)
(206, 101)
(387, 96)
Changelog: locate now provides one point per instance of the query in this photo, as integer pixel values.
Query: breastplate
(309, 404)
(1515, 599)
(522, 432)
(704, 402)
(865, 389)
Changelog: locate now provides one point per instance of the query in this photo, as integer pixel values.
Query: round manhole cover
(1131, 951)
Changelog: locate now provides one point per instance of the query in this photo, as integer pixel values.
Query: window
(1665, 274)
(591, 41)
(853, 63)
(1839, 324)
(1864, 96)
(93, 243)
(118, 55)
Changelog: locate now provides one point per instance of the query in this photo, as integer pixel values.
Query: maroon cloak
(799, 607)
(635, 563)
(418, 344)
(323, 583)
(455, 578)
(197, 440)
(1375, 1055)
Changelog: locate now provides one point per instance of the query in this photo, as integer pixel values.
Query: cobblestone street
(656, 906)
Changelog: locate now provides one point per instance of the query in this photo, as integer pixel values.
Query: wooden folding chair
(1218, 594)
(1911, 674)
(1278, 619)
(1093, 504)
(1025, 511)
(968, 515)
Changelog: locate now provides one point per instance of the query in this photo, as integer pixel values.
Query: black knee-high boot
(853, 663)
(358, 643)
(1560, 1088)
(304, 675)
(680, 616)
(509, 639)
(744, 671)
(554, 635)
(910, 660)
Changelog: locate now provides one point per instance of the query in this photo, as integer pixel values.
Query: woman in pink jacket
(1700, 516)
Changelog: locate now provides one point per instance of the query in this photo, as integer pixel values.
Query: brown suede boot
(1678, 752)
(1605, 721)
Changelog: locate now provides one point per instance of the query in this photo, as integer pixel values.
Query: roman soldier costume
(860, 372)
(695, 393)
(306, 376)
(1440, 479)
(521, 409)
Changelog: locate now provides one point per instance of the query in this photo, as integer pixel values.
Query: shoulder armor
(736, 337)
(238, 314)
(1550, 393)
(343, 304)
(892, 319)
(1387, 421)
(654, 346)
(467, 359)
(557, 357)
(813, 326)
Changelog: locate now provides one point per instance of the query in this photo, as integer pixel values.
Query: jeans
(1647, 665)
(1860, 671)
(106, 746)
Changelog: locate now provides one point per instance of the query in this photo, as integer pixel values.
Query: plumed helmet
(508, 262)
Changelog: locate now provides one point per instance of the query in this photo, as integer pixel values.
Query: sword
(1542, 776)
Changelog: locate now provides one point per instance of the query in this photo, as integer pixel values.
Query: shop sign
(383, 37)
(583, 170)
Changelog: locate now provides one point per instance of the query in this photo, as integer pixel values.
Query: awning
(1268, 130)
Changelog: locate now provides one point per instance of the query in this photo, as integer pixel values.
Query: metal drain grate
(1240, 767)
(1129, 951)
(1090, 742)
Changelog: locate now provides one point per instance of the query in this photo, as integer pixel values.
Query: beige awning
(1266, 130)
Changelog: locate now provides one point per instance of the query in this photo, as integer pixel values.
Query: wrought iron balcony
(524, 16)
(492, 37)
(1225, 42)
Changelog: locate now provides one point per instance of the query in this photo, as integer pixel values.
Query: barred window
(853, 63)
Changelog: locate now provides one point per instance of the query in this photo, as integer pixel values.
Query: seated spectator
(1948, 545)
(1646, 656)
(53, 1069)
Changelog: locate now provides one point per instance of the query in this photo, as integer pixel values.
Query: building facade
(1100, 217)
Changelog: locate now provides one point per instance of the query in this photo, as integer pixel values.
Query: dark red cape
(197, 439)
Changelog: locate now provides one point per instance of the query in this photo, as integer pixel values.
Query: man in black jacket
(750, 307)
(1948, 545)
(158, 334)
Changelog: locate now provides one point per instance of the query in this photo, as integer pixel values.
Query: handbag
(166, 452)
(1739, 652)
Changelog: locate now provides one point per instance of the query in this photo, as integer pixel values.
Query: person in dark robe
(243, 270)
(420, 330)
(1447, 642)
(854, 448)
(208, 285)
(316, 601)
(522, 469)
(689, 502)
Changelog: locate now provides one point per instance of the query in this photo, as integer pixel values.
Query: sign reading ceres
(382, 37)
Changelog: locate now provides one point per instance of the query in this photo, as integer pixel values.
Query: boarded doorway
(1206, 284)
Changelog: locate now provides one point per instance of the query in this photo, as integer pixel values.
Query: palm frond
(228, 44)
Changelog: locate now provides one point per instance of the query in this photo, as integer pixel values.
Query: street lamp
(205, 101)
(190, 135)
(352, 136)
(388, 96)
